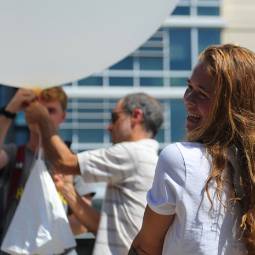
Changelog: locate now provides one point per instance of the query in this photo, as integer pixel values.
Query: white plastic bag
(40, 224)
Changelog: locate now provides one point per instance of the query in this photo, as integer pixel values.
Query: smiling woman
(198, 97)
(202, 198)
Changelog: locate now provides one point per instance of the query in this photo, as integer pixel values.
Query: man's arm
(81, 207)
(17, 103)
(56, 151)
(83, 214)
(150, 239)
(77, 226)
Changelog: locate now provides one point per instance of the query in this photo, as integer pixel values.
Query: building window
(208, 36)
(180, 49)
(121, 81)
(181, 10)
(91, 81)
(125, 64)
(151, 63)
(208, 11)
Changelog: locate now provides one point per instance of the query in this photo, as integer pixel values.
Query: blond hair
(54, 94)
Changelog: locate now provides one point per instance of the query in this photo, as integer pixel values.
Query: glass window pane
(160, 137)
(179, 82)
(181, 10)
(208, 36)
(92, 80)
(20, 119)
(150, 49)
(151, 82)
(125, 64)
(121, 81)
(209, 11)
(66, 134)
(180, 50)
(151, 63)
(20, 135)
(155, 38)
(6, 93)
(178, 116)
(91, 135)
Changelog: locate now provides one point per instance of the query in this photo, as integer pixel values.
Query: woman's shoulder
(191, 147)
(184, 152)
(181, 147)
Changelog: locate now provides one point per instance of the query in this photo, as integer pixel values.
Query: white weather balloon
(50, 42)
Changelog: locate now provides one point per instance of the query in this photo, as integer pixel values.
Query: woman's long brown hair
(231, 124)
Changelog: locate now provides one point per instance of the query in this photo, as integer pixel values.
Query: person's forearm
(56, 150)
(15, 105)
(86, 214)
(5, 124)
(76, 226)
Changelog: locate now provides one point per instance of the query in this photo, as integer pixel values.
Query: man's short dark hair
(151, 107)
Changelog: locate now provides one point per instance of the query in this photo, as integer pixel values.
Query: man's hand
(63, 183)
(55, 150)
(36, 112)
(21, 99)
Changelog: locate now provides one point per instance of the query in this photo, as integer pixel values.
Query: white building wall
(240, 22)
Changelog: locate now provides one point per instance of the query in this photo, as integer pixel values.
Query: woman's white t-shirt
(199, 227)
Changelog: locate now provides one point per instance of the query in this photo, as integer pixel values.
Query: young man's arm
(56, 151)
(5, 124)
(150, 239)
(17, 103)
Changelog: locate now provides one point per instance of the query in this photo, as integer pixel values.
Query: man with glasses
(127, 167)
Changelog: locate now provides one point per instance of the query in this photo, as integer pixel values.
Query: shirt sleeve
(168, 183)
(112, 165)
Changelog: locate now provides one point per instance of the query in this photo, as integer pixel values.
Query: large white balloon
(49, 42)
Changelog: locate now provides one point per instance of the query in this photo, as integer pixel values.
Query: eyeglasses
(115, 116)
